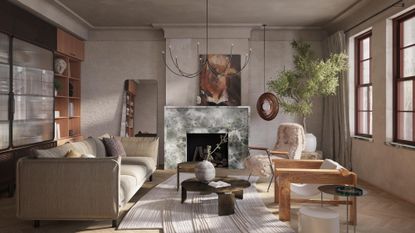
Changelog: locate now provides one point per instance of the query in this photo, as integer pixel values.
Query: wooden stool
(184, 167)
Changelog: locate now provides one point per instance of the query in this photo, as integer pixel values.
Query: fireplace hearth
(197, 144)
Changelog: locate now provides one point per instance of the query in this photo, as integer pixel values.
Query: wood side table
(184, 167)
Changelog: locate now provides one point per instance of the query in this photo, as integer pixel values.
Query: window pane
(4, 135)
(405, 95)
(365, 48)
(28, 132)
(365, 98)
(364, 123)
(408, 58)
(365, 72)
(409, 32)
(405, 126)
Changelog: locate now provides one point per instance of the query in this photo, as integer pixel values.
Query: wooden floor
(378, 212)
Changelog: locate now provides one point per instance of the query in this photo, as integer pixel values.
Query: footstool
(318, 220)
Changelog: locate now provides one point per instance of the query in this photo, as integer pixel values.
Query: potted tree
(310, 77)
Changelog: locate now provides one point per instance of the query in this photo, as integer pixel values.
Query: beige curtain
(336, 141)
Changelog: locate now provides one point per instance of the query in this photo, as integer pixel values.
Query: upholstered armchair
(303, 177)
(289, 145)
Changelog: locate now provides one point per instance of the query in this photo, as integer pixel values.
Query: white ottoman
(318, 220)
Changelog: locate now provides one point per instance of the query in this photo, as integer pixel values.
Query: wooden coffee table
(226, 196)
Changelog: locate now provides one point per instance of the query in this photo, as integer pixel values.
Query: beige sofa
(52, 187)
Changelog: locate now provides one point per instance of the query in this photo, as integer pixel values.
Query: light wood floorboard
(378, 212)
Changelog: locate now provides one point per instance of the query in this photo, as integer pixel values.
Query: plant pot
(205, 171)
(310, 142)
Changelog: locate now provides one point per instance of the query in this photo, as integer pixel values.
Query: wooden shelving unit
(68, 100)
(131, 90)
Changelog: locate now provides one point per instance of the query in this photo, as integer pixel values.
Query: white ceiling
(136, 13)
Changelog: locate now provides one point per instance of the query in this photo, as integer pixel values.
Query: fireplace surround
(179, 121)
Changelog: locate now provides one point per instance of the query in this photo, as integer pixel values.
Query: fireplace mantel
(179, 120)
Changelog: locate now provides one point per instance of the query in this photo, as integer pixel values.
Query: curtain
(336, 141)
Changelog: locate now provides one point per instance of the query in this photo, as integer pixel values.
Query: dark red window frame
(398, 77)
(360, 85)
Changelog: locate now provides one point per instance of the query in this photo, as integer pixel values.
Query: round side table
(344, 191)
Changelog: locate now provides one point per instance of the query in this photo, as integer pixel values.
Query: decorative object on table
(204, 62)
(57, 86)
(219, 184)
(71, 109)
(308, 184)
(311, 77)
(170, 215)
(71, 89)
(221, 90)
(289, 145)
(267, 104)
(345, 191)
(205, 170)
(60, 65)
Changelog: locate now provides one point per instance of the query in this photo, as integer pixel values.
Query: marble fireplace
(181, 121)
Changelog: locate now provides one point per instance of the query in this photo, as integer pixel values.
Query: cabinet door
(4, 92)
(33, 93)
(70, 45)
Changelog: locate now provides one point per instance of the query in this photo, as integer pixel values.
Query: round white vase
(310, 142)
(205, 171)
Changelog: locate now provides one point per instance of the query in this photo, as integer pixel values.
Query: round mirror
(267, 106)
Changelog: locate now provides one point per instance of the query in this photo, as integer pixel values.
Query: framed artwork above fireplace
(221, 90)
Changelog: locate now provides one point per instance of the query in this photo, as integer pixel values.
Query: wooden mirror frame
(274, 106)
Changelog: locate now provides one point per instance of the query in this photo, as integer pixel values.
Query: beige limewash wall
(385, 166)
(115, 55)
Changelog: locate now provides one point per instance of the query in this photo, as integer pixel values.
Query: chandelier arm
(176, 64)
(175, 72)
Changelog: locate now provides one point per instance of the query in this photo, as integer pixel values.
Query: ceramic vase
(310, 142)
(205, 171)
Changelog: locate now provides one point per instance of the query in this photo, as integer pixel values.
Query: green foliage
(310, 77)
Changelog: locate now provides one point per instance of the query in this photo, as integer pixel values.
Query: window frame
(358, 59)
(397, 70)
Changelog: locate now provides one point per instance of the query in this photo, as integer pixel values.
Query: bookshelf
(131, 90)
(68, 100)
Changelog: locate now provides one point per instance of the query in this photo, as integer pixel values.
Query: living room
(207, 116)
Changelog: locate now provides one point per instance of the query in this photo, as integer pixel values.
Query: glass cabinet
(26, 94)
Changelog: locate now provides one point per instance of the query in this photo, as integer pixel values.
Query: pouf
(318, 220)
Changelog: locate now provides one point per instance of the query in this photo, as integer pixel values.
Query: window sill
(363, 138)
(400, 145)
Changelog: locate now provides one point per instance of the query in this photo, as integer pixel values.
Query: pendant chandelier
(204, 60)
(267, 105)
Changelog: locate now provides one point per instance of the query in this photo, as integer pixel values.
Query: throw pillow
(114, 147)
(72, 154)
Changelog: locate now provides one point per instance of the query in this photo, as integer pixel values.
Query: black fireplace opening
(197, 144)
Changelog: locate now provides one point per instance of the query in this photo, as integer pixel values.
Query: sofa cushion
(149, 163)
(100, 153)
(141, 146)
(87, 146)
(131, 179)
(114, 147)
(330, 164)
(56, 152)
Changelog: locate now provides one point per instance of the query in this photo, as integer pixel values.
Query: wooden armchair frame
(309, 172)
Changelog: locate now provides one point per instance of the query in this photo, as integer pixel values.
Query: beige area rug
(161, 208)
